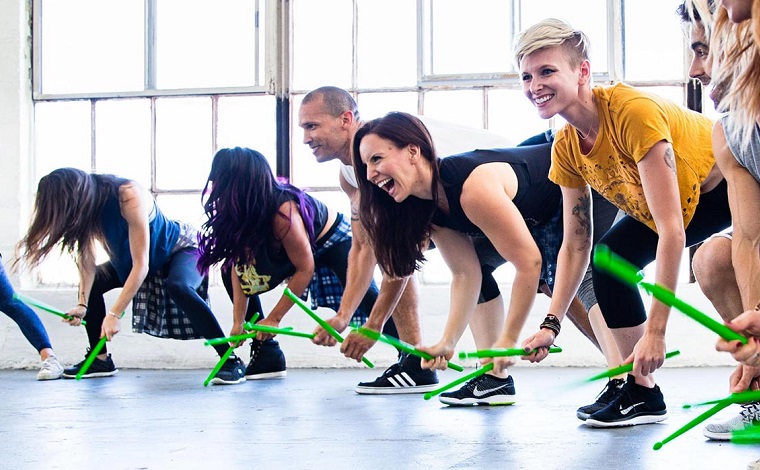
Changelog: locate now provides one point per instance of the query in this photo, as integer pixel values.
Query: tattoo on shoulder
(582, 212)
(670, 159)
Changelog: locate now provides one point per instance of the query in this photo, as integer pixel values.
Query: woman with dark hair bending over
(263, 232)
(150, 257)
(464, 203)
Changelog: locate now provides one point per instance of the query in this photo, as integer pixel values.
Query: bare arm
(135, 204)
(459, 254)
(239, 303)
(295, 242)
(86, 267)
(486, 202)
(744, 199)
(660, 185)
(572, 262)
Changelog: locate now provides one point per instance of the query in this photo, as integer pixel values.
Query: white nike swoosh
(479, 393)
(625, 411)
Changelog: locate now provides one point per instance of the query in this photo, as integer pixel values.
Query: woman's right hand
(76, 315)
(539, 341)
(237, 329)
(441, 353)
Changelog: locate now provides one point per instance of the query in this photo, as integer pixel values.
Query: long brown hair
(399, 232)
(67, 211)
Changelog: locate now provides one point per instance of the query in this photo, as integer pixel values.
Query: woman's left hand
(111, 326)
(268, 321)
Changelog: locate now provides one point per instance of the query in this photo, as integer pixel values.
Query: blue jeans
(27, 320)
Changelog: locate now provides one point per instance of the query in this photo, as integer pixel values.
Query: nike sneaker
(634, 405)
(611, 390)
(482, 390)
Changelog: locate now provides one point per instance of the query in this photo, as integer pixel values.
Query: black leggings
(182, 280)
(621, 303)
(336, 259)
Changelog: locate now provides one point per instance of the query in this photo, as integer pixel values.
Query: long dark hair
(242, 198)
(399, 232)
(67, 210)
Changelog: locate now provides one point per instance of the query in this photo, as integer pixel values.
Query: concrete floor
(159, 419)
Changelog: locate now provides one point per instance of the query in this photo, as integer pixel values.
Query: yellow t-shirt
(631, 123)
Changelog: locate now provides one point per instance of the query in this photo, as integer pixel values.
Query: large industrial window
(151, 89)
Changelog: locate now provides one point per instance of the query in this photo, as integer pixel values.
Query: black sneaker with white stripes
(483, 390)
(405, 376)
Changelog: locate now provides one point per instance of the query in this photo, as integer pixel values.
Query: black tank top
(537, 197)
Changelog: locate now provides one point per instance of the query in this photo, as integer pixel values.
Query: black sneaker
(232, 372)
(98, 368)
(405, 376)
(610, 392)
(634, 405)
(482, 390)
(267, 360)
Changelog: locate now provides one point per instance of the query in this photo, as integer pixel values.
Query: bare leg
(607, 344)
(626, 339)
(486, 324)
(715, 275)
(407, 315)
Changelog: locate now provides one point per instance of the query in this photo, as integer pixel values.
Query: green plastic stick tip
(657, 446)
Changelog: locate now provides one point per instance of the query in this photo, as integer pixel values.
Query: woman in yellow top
(651, 158)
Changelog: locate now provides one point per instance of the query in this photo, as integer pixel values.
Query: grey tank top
(749, 158)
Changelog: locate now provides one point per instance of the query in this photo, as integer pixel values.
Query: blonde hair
(553, 32)
(736, 66)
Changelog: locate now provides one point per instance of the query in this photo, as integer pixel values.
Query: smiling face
(394, 170)
(328, 136)
(701, 62)
(550, 82)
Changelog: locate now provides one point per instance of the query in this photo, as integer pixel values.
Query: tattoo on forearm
(354, 215)
(670, 159)
(582, 211)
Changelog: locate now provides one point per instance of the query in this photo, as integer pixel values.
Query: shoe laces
(255, 348)
(472, 383)
(751, 412)
(610, 390)
(392, 370)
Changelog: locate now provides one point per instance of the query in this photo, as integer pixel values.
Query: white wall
(130, 350)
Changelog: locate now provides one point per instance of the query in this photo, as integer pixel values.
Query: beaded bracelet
(552, 323)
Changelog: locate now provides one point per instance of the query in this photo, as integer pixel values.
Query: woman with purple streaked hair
(263, 232)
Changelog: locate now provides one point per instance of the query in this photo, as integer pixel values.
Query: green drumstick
(606, 260)
(327, 327)
(465, 378)
(615, 371)
(256, 328)
(739, 397)
(406, 347)
(502, 352)
(707, 414)
(91, 357)
(42, 306)
(223, 358)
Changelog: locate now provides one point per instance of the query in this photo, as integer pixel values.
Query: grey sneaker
(747, 417)
(50, 369)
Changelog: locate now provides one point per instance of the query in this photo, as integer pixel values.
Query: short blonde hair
(552, 32)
